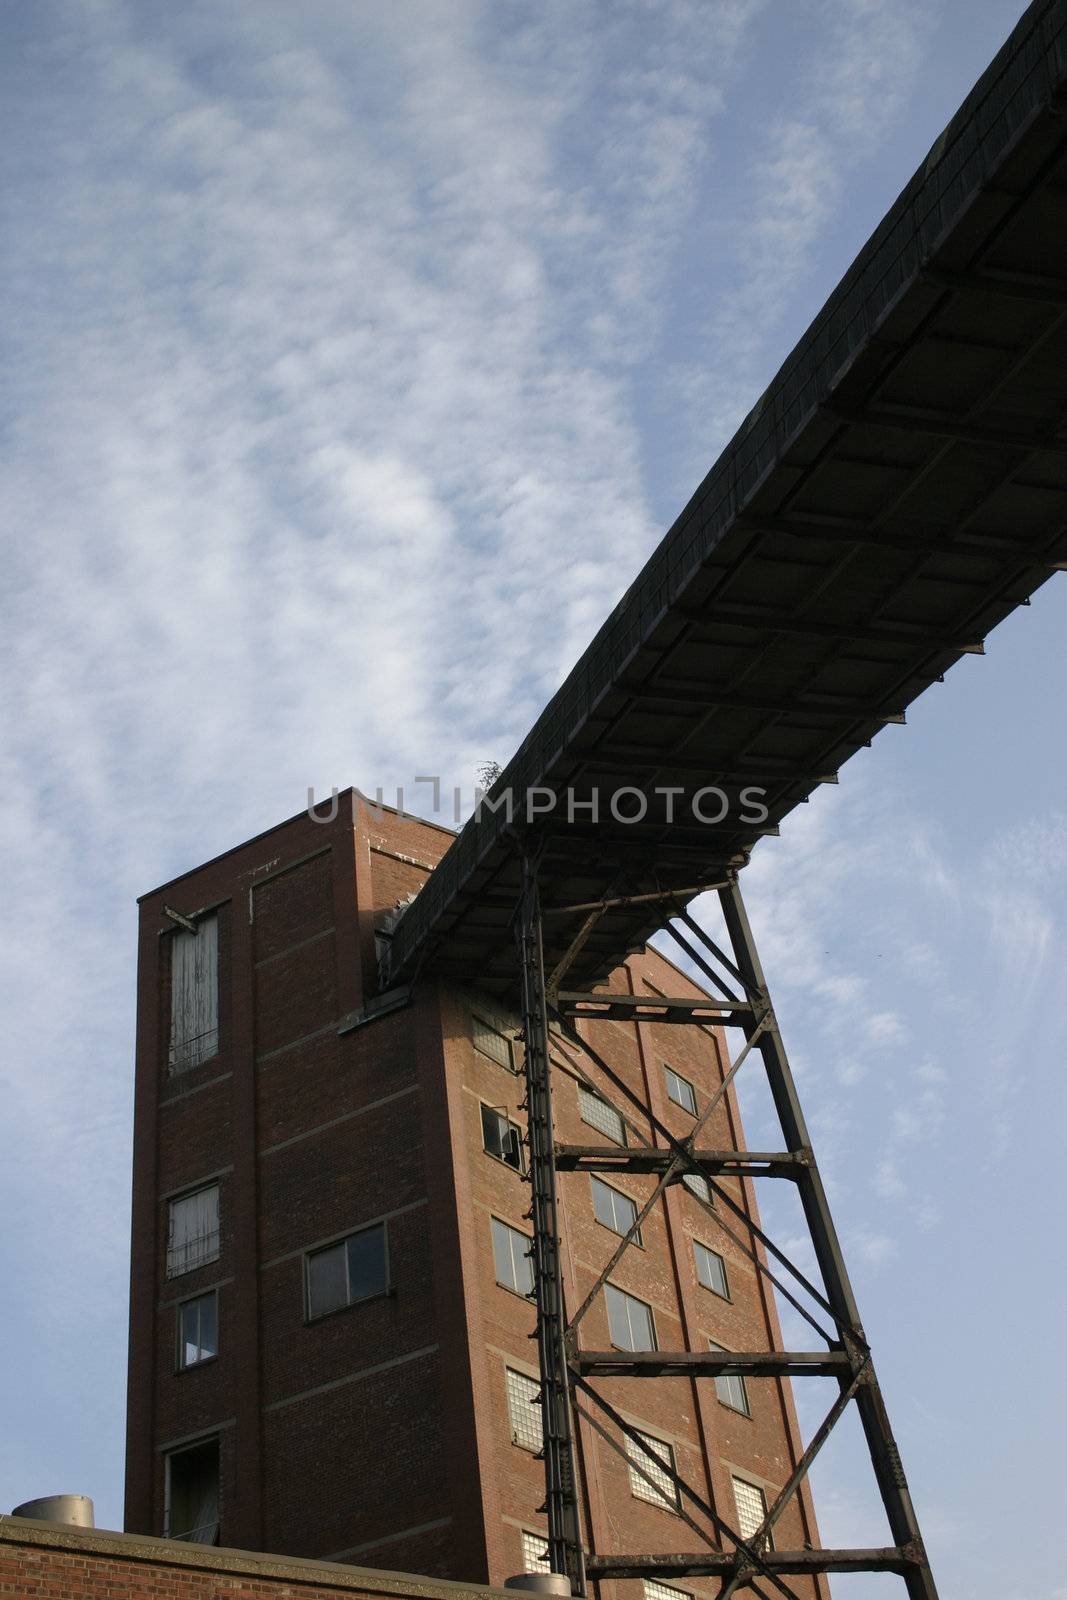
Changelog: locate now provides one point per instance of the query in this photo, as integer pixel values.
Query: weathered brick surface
(383, 1428)
(47, 1562)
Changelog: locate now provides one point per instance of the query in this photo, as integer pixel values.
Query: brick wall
(50, 1562)
(381, 1432)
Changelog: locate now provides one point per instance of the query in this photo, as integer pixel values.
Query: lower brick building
(330, 1329)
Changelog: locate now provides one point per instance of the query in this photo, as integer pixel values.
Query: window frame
(670, 1072)
(182, 1055)
(527, 1295)
(542, 1538)
(495, 1111)
(524, 1377)
(591, 1094)
(180, 1342)
(636, 1299)
(309, 1255)
(479, 1021)
(744, 1410)
(169, 1458)
(750, 1483)
(594, 1180)
(172, 1271)
(639, 1488)
(724, 1292)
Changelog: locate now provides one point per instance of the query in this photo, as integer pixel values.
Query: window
(353, 1269)
(194, 995)
(681, 1091)
(193, 1236)
(514, 1268)
(524, 1409)
(198, 1330)
(711, 1269)
(751, 1505)
(534, 1552)
(731, 1389)
(598, 1114)
(663, 1591)
(191, 1494)
(502, 1138)
(661, 1491)
(616, 1211)
(629, 1320)
(492, 1043)
(700, 1187)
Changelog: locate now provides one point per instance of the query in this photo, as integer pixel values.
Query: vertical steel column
(566, 1554)
(885, 1456)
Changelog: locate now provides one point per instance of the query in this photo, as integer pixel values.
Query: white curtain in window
(194, 1230)
(194, 995)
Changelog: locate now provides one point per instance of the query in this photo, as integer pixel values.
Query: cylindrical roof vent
(555, 1584)
(75, 1508)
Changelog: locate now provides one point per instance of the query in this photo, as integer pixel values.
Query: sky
(357, 357)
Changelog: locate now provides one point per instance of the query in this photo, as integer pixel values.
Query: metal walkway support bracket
(551, 1024)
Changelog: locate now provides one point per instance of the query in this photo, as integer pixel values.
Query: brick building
(330, 1351)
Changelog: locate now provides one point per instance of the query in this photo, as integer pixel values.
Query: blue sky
(356, 358)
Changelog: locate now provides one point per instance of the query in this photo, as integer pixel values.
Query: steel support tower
(739, 998)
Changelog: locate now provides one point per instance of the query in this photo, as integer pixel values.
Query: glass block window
(524, 1410)
(353, 1269)
(534, 1552)
(614, 1209)
(514, 1268)
(700, 1187)
(711, 1269)
(502, 1138)
(731, 1388)
(492, 1043)
(681, 1091)
(660, 1491)
(198, 1330)
(193, 1230)
(751, 1505)
(629, 1320)
(598, 1114)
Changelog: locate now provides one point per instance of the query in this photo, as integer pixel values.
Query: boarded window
(194, 995)
(193, 1235)
(192, 1494)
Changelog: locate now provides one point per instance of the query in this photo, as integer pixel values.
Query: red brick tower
(330, 1346)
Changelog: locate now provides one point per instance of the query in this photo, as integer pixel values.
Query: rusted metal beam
(716, 1163)
(723, 1563)
(712, 1363)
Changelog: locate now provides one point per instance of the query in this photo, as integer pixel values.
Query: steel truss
(550, 1018)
